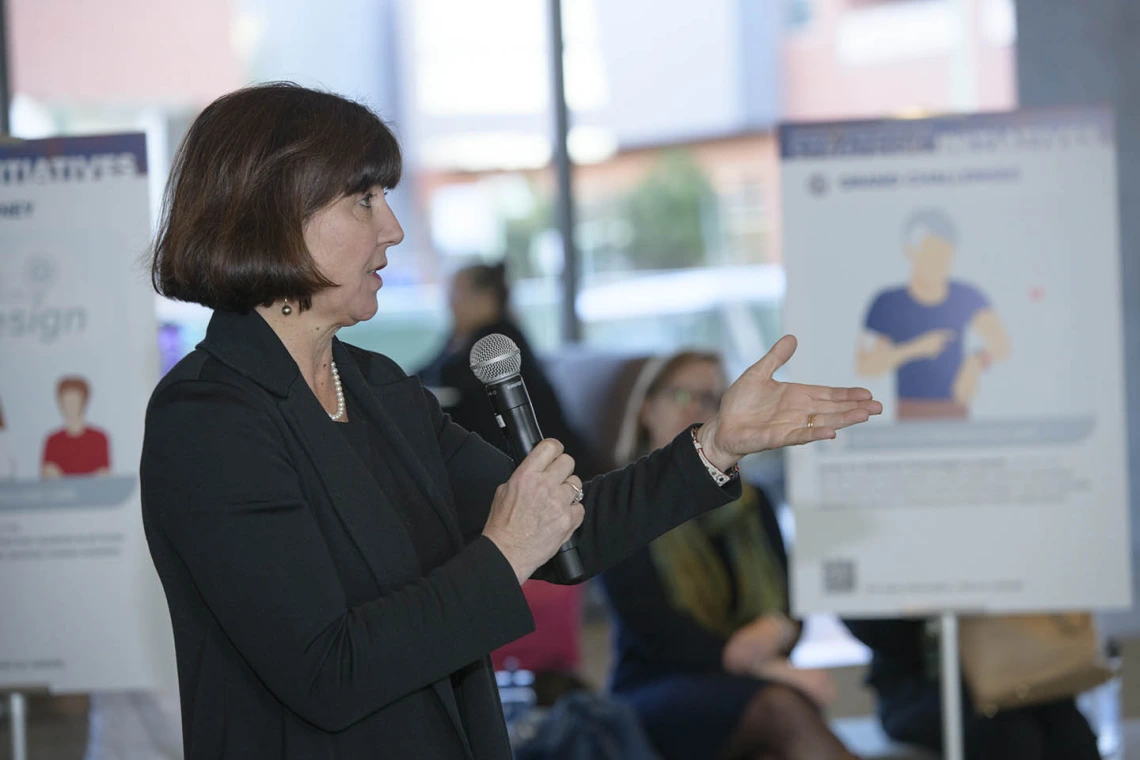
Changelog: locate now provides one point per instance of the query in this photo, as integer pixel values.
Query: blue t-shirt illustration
(896, 315)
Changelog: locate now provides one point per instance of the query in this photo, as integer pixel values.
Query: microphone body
(515, 417)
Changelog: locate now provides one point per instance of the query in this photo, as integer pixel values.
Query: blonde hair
(633, 438)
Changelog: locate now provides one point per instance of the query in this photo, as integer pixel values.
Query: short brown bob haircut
(255, 165)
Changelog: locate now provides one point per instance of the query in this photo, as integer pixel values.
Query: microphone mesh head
(495, 358)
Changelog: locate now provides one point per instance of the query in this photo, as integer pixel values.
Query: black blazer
(304, 625)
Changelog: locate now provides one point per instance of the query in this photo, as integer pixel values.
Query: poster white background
(80, 606)
(1024, 505)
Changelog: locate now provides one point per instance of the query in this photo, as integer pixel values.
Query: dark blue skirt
(689, 716)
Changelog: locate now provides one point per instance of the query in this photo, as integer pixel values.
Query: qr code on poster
(839, 576)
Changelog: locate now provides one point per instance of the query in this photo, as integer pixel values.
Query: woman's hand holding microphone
(537, 510)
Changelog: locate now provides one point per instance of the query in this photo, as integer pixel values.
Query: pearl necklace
(339, 395)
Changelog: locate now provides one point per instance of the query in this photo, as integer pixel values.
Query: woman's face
(689, 395)
(349, 241)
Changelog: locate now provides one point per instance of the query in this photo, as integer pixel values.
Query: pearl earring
(286, 309)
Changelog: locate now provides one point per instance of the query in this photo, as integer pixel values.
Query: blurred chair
(553, 646)
(593, 386)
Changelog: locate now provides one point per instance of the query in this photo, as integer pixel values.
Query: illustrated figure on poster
(936, 333)
(77, 448)
(7, 458)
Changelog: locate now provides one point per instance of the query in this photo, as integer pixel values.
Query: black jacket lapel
(372, 394)
(368, 516)
(365, 510)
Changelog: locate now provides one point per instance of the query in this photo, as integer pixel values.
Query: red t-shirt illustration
(82, 454)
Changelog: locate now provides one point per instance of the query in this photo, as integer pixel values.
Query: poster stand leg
(18, 723)
(952, 734)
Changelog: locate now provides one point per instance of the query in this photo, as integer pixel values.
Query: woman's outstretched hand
(759, 413)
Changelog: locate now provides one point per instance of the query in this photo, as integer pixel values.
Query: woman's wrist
(520, 570)
(705, 436)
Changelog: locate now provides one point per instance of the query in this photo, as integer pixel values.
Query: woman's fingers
(830, 407)
(822, 427)
(571, 507)
(561, 468)
(776, 357)
(838, 420)
(571, 492)
(870, 408)
(827, 393)
(575, 482)
(802, 435)
(542, 456)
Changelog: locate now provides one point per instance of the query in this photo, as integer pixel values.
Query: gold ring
(811, 421)
(579, 494)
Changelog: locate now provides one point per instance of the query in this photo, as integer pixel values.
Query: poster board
(966, 270)
(80, 605)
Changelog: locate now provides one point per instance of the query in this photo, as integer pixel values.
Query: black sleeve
(218, 482)
(628, 508)
(625, 509)
(659, 631)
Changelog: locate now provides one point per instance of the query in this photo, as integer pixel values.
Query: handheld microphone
(496, 361)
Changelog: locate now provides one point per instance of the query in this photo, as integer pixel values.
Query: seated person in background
(906, 679)
(479, 301)
(701, 626)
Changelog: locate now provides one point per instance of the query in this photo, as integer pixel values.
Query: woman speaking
(338, 557)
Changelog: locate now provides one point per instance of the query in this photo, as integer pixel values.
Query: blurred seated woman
(479, 301)
(701, 615)
(906, 679)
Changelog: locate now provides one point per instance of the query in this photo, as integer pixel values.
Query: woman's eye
(366, 201)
